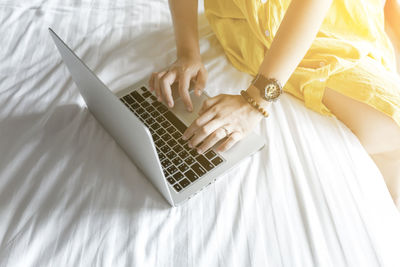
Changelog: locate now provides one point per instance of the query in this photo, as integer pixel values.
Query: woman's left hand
(219, 117)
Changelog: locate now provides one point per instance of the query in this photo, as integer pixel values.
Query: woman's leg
(377, 132)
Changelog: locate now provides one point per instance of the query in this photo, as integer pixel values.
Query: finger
(151, 82)
(199, 122)
(200, 81)
(229, 142)
(206, 130)
(157, 78)
(165, 87)
(211, 140)
(208, 103)
(184, 83)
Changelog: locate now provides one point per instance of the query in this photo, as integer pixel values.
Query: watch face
(272, 91)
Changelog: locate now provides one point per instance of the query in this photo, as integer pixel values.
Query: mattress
(70, 196)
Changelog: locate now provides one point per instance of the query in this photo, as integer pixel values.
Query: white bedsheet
(69, 196)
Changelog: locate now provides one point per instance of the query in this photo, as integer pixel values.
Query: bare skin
(377, 132)
(294, 37)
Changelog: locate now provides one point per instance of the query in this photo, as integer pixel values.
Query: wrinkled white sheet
(69, 196)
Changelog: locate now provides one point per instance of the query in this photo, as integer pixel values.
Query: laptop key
(137, 96)
(165, 149)
(175, 121)
(177, 161)
(162, 109)
(166, 137)
(145, 116)
(183, 154)
(140, 110)
(217, 161)
(153, 98)
(171, 129)
(193, 152)
(165, 124)
(191, 175)
(145, 104)
(198, 169)
(170, 180)
(155, 126)
(160, 119)
(183, 167)
(181, 141)
(210, 154)
(150, 121)
(171, 154)
(159, 143)
(178, 176)
(172, 169)
(161, 157)
(166, 163)
(135, 106)
(160, 131)
(185, 182)
(177, 187)
(150, 109)
(204, 162)
(128, 99)
(146, 94)
(177, 148)
(189, 161)
(154, 114)
(172, 143)
(176, 135)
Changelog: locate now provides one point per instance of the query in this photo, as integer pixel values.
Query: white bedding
(69, 196)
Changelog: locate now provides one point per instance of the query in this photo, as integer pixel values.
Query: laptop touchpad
(180, 110)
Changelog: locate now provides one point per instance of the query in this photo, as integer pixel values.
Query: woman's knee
(376, 131)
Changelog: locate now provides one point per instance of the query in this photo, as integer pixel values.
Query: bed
(69, 195)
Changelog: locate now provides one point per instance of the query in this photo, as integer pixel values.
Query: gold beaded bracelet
(253, 103)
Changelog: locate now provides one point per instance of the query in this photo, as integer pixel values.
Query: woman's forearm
(392, 17)
(294, 37)
(184, 17)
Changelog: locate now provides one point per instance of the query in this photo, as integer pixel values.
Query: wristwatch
(270, 89)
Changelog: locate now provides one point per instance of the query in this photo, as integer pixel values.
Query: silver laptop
(150, 133)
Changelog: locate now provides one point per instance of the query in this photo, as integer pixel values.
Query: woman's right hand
(183, 70)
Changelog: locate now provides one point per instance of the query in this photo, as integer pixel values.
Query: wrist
(191, 52)
(255, 94)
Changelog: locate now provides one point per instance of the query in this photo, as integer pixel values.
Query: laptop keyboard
(181, 164)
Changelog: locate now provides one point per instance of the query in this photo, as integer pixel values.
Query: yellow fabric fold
(351, 54)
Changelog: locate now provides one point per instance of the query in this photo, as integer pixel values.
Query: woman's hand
(219, 115)
(183, 70)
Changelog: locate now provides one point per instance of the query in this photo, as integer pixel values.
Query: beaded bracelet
(253, 103)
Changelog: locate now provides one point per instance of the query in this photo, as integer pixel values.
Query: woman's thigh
(376, 131)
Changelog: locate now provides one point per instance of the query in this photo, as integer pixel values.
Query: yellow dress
(351, 54)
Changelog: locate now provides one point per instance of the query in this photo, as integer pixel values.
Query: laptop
(150, 133)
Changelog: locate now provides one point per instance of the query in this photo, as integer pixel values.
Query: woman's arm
(392, 26)
(188, 65)
(294, 37)
(184, 17)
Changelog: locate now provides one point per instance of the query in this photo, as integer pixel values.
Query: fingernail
(198, 92)
(170, 104)
(159, 99)
(190, 109)
(184, 137)
(190, 145)
(199, 151)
